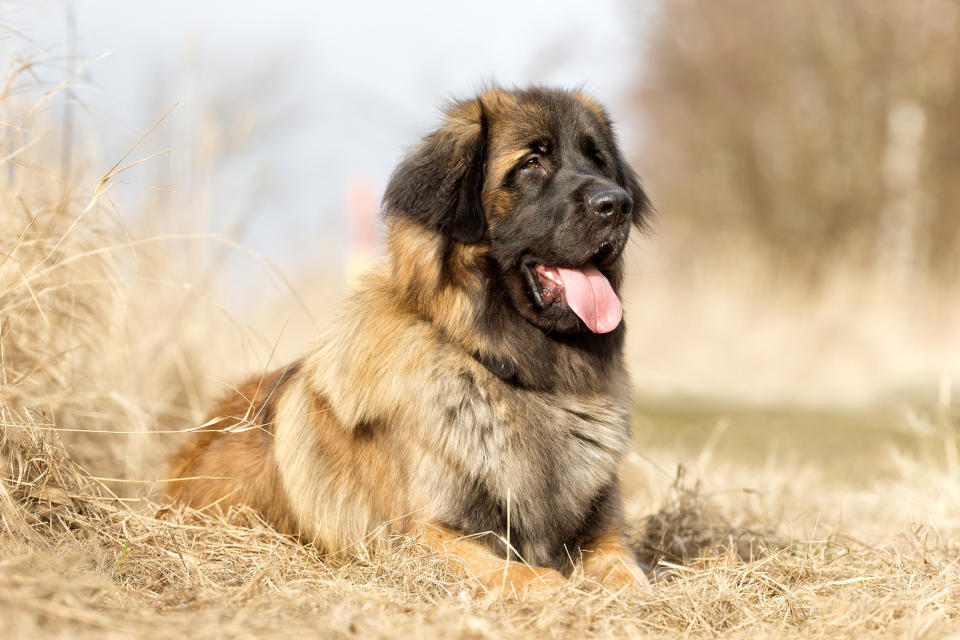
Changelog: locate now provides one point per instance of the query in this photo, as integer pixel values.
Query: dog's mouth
(582, 289)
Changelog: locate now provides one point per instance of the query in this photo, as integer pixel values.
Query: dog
(472, 391)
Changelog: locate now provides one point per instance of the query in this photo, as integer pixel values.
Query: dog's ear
(440, 182)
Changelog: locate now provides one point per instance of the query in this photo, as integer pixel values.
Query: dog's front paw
(624, 574)
(521, 579)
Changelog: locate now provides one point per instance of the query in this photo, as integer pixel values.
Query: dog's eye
(532, 163)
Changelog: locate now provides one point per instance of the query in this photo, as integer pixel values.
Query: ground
(753, 523)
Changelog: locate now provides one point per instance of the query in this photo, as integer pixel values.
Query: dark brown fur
(446, 401)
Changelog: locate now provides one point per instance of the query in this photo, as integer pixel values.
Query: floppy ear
(440, 182)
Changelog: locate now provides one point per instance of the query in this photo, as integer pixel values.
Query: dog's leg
(494, 572)
(607, 559)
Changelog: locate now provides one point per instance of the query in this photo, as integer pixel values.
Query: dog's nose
(610, 202)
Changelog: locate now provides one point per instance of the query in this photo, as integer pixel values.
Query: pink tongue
(589, 294)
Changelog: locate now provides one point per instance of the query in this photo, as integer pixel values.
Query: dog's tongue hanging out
(587, 292)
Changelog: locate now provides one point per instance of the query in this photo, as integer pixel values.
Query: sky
(323, 95)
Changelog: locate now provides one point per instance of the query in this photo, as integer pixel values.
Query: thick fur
(444, 395)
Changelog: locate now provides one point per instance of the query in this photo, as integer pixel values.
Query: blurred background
(803, 158)
(188, 189)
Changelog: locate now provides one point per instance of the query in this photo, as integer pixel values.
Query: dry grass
(89, 391)
(78, 563)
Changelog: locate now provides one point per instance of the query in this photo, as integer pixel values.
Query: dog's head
(535, 178)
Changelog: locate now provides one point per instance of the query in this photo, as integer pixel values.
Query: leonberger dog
(472, 391)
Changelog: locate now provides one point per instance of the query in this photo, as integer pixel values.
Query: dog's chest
(548, 459)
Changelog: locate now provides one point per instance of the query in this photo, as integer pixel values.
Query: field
(754, 521)
(778, 534)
